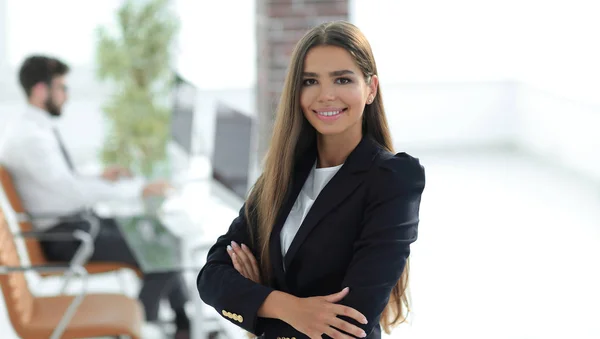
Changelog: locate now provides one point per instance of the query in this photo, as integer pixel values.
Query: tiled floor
(507, 248)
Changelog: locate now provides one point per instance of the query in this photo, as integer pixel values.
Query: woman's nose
(327, 94)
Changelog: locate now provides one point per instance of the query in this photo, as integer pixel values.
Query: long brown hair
(292, 134)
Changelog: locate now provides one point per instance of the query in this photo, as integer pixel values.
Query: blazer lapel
(301, 172)
(335, 192)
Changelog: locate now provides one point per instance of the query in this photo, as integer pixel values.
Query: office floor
(508, 248)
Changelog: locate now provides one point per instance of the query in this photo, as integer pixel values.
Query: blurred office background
(499, 99)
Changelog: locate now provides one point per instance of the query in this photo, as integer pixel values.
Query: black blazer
(357, 234)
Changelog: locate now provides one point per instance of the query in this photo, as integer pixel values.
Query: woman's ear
(373, 85)
(372, 89)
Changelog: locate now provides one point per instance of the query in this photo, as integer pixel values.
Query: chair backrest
(17, 296)
(34, 249)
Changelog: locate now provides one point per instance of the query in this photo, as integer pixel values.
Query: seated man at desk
(46, 180)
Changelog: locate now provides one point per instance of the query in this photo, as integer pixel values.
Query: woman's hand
(312, 316)
(315, 316)
(244, 261)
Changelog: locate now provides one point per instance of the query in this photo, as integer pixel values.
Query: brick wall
(280, 24)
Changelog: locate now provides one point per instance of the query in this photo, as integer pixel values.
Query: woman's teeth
(328, 114)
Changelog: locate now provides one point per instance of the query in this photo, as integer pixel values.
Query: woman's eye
(343, 81)
(309, 82)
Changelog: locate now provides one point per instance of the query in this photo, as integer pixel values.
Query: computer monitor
(182, 117)
(231, 155)
(181, 145)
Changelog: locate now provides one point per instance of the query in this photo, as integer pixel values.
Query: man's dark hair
(39, 68)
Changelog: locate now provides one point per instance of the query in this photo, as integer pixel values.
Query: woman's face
(334, 91)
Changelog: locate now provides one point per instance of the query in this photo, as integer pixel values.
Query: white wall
(215, 47)
(51, 27)
(447, 115)
(561, 130)
(217, 43)
(3, 34)
(550, 44)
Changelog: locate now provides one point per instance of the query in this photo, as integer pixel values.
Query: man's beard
(53, 108)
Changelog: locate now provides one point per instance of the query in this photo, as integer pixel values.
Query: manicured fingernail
(234, 244)
(365, 321)
(229, 248)
(244, 246)
(363, 334)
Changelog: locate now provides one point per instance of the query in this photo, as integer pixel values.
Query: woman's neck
(334, 149)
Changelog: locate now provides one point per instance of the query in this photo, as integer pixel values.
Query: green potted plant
(136, 61)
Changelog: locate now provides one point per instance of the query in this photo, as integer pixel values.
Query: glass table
(174, 235)
(158, 249)
(154, 246)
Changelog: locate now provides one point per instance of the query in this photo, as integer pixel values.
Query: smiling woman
(335, 90)
(321, 245)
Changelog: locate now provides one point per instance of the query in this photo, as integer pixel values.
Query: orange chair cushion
(98, 315)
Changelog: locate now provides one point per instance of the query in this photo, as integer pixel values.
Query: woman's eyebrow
(332, 74)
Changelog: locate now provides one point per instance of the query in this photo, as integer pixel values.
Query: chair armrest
(84, 252)
(27, 217)
(40, 235)
(70, 312)
(85, 215)
(81, 257)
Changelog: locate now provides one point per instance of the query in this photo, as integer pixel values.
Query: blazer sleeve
(235, 298)
(389, 227)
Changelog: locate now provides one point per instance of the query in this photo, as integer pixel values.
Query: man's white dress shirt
(30, 151)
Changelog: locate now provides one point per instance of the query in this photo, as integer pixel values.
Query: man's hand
(157, 188)
(114, 173)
